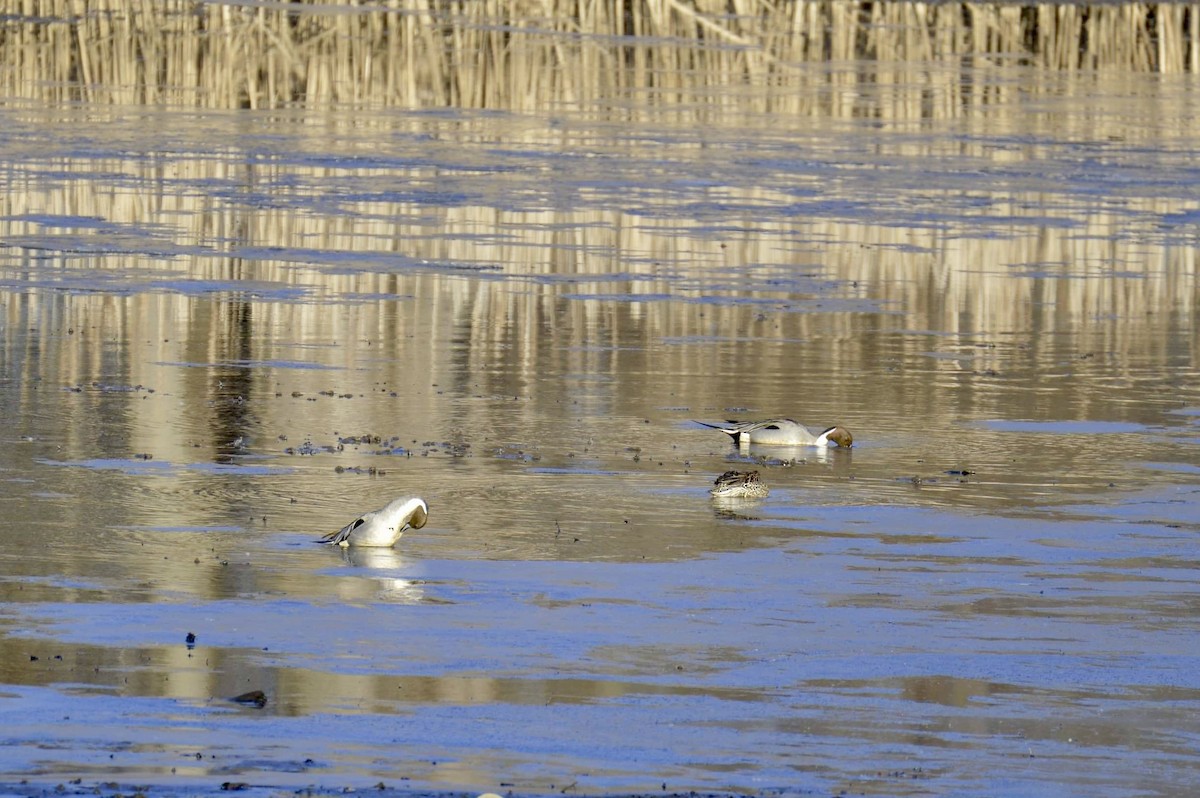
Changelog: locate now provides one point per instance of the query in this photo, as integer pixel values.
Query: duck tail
(728, 430)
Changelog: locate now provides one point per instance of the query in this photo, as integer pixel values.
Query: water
(227, 333)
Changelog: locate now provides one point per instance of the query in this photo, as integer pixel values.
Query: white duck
(782, 432)
(382, 527)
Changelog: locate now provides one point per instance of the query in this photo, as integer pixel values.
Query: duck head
(403, 514)
(839, 436)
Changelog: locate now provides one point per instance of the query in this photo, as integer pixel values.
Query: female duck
(739, 485)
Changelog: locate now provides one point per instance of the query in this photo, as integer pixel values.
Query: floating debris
(255, 698)
(369, 470)
(309, 448)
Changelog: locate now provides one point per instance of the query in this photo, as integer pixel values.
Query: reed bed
(538, 54)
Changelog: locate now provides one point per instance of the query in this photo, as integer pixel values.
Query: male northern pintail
(382, 527)
(782, 432)
(739, 485)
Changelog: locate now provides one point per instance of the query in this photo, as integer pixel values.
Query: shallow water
(225, 334)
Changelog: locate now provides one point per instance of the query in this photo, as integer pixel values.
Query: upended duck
(739, 485)
(782, 432)
(382, 528)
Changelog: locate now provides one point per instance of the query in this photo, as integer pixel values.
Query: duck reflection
(776, 455)
(385, 585)
(736, 508)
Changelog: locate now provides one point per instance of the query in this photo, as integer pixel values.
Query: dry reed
(524, 55)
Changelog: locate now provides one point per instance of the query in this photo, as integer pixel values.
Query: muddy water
(225, 334)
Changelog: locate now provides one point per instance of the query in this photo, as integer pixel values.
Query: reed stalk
(525, 54)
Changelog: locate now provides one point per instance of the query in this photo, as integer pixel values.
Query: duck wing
(343, 534)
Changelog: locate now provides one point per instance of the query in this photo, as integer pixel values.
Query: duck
(782, 432)
(739, 485)
(383, 527)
